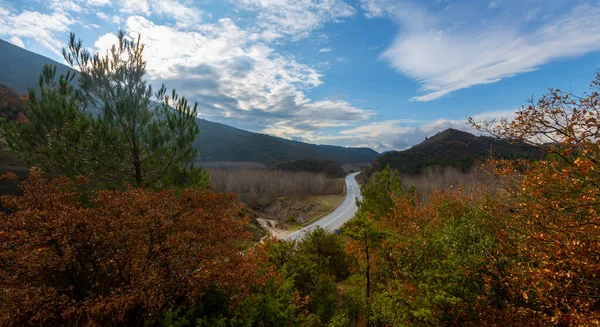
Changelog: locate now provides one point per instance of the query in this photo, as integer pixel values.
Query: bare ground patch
(287, 214)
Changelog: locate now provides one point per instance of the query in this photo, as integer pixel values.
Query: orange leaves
(551, 213)
(129, 254)
(10, 176)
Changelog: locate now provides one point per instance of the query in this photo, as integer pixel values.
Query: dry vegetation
(435, 178)
(301, 210)
(259, 188)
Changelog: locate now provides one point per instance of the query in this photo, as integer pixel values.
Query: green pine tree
(378, 194)
(110, 125)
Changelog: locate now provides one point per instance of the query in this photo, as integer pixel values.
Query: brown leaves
(551, 214)
(9, 176)
(128, 254)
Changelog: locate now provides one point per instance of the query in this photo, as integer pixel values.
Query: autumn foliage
(71, 257)
(523, 253)
(550, 216)
(12, 106)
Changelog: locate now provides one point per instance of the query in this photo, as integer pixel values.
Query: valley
(318, 163)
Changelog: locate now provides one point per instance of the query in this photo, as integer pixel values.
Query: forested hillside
(453, 148)
(22, 68)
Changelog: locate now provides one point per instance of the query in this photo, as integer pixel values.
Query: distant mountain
(330, 168)
(216, 142)
(452, 148)
(22, 68)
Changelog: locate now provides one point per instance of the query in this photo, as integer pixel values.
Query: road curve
(339, 216)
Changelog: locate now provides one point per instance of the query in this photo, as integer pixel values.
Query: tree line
(258, 188)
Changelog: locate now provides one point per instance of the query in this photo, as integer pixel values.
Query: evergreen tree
(378, 194)
(110, 125)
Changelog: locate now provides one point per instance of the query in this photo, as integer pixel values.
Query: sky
(378, 73)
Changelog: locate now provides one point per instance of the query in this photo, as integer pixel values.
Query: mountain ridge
(216, 141)
(453, 148)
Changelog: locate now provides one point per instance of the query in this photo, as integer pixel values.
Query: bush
(124, 258)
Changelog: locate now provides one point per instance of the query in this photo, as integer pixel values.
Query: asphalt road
(339, 216)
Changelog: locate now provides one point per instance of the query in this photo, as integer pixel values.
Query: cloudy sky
(377, 73)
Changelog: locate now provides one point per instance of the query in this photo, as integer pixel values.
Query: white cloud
(136, 7)
(102, 16)
(325, 50)
(495, 3)
(238, 78)
(184, 16)
(105, 42)
(447, 59)
(400, 134)
(43, 28)
(92, 26)
(297, 17)
(65, 5)
(97, 3)
(16, 41)
(77, 6)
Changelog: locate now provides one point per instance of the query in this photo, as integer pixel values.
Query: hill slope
(22, 68)
(451, 148)
(216, 142)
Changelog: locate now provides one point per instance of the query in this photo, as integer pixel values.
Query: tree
(328, 250)
(362, 231)
(110, 125)
(378, 196)
(124, 259)
(549, 210)
(379, 193)
(312, 266)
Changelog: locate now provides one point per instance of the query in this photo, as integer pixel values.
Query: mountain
(22, 68)
(219, 142)
(216, 142)
(452, 148)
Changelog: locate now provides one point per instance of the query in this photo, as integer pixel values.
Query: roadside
(287, 215)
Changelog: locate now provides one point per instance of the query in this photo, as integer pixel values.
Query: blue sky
(377, 73)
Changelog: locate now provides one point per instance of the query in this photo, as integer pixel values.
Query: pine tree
(110, 125)
(379, 194)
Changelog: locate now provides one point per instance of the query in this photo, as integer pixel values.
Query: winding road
(339, 216)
